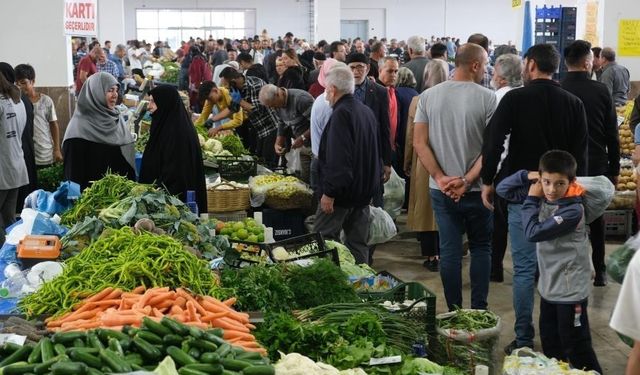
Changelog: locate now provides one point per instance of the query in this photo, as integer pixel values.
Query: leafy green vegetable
(49, 178)
(469, 320)
(343, 252)
(233, 144)
(259, 288)
(318, 284)
(415, 365)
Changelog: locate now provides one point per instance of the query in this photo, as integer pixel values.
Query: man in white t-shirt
(627, 312)
(46, 133)
(450, 121)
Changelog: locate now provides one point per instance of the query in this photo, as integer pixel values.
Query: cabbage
(420, 365)
(361, 270)
(343, 252)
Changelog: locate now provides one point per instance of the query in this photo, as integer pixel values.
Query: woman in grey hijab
(97, 139)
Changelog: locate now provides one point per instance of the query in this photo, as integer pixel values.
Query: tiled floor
(402, 258)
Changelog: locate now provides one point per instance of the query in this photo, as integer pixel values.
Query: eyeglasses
(360, 68)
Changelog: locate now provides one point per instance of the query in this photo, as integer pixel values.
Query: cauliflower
(280, 253)
(213, 145)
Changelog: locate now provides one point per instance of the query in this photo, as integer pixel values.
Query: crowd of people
(489, 143)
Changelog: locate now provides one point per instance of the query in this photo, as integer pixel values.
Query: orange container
(39, 247)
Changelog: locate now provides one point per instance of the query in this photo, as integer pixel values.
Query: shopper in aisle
(596, 72)
(13, 170)
(294, 73)
(437, 69)
(199, 71)
(338, 51)
(251, 68)
(507, 75)
(405, 92)
(539, 117)
(625, 314)
(482, 41)
(263, 120)
(614, 76)
(106, 65)
(420, 216)
(87, 67)
(270, 61)
(349, 166)
(136, 53)
(388, 74)
(220, 55)
(452, 156)
(46, 134)
(172, 157)
(294, 109)
(374, 96)
(320, 113)
(602, 122)
(553, 218)
(27, 140)
(378, 51)
(416, 46)
(315, 89)
(117, 57)
(228, 114)
(97, 139)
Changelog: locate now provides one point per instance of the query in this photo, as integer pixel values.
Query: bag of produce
(598, 195)
(394, 194)
(381, 226)
(618, 261)
(467, 338)
(526, 361)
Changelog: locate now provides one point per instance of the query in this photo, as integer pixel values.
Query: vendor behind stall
(212, 95)
(97, 139)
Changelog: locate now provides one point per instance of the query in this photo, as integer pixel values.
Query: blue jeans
(454, 219)
(525, 264)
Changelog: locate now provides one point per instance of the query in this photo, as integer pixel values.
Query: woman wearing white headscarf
(97, 139)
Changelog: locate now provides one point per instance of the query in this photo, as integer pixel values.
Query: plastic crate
(375, 294)
(285, 223)
(618, 223)
(243, 253)
(312, 243)
(229, 216)
(418, 293)
(237, 168)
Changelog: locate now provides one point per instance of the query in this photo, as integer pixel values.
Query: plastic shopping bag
(598, 195)
(394, 194)
(618, 261)
(381, 226)
(294, 162)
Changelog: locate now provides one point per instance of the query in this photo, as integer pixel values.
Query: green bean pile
(101, 194)
(122, 259)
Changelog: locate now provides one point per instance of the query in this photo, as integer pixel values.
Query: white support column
(111, 22)
(327, 20)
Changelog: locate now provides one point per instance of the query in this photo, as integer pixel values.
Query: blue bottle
(191, 202)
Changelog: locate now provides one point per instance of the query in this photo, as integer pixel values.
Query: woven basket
(226, 200)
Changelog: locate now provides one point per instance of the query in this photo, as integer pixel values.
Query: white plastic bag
(394, 194)
(598, 195)
(294, 162)
(381, 226)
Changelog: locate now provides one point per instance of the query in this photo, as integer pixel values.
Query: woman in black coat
(294, 76)
(172, 157)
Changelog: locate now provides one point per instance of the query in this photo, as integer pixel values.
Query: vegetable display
(102, 193)
(122, 259)
(113, 309)
(49, 178)
(233, 144)
(469, 320)
(193, 350)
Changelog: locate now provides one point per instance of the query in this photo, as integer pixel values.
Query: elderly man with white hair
(350, 166)
(293, 106)
(418, 61)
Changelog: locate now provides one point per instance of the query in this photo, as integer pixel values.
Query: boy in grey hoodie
(553, 217)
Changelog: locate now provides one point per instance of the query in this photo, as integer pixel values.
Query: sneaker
(513, 345)
(432, 265)
(600, 279)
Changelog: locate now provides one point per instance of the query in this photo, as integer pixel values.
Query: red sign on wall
(81, 17)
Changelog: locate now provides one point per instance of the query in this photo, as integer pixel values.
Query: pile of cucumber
(102, 351)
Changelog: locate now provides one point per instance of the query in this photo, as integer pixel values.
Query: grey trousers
(8, 201)
(354, 222)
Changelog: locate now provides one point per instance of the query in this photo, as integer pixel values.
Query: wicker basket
(226, 200)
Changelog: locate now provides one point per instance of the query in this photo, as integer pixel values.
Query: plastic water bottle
(15, 286)
(191, 202)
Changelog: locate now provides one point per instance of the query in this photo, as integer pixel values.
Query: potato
(631, 185)
(621, 186)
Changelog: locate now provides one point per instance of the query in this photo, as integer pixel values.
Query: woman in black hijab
(173, 157)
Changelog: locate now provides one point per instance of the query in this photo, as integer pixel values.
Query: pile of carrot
(113, 309)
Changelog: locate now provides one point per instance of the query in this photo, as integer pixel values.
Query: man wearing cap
(314, 88)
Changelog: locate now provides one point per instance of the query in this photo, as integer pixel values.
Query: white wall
(111, 22)
(41, 44)
(277, 18)
(616, 10)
